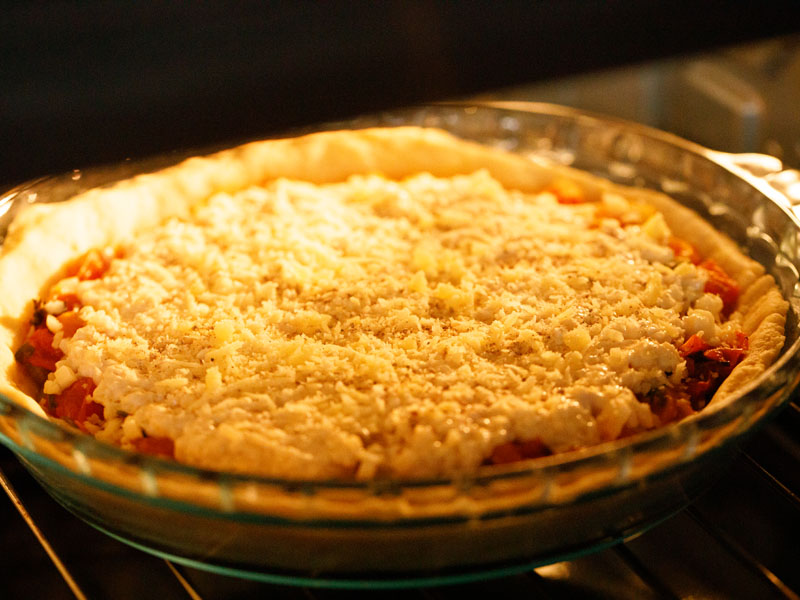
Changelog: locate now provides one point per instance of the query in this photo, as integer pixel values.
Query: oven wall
(739, 99)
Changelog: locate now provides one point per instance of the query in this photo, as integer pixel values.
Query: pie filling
(375, 327)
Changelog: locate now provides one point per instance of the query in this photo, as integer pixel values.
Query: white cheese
(53, 324)
(383, 327)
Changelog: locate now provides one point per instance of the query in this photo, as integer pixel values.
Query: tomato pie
(376, 303)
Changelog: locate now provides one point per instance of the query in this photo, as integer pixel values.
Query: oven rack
(739, 539)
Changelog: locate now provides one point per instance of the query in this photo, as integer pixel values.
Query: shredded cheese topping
(375, 327)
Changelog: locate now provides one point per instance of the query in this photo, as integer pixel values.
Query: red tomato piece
(505, 453)
(694, 344)
(567, 192)
(514, 451)
(160, 446)
(728, 356)
(75, 403)
(91, 265)
(707, 367)
(684, 250)
(534, 449)
(71, 322)
(698, 387)
(721, 284)
(670, 404)
(44, 355)
(71, 300)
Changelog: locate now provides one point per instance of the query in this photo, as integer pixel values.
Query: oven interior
(737, 540)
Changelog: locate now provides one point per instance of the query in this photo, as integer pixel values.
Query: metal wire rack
(738, 540)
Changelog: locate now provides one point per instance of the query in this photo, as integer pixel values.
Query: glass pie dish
(505, 518)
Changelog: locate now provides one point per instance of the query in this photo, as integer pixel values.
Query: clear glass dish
(390, 533)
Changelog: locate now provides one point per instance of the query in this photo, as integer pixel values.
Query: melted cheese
(381, 327)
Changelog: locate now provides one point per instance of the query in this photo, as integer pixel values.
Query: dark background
(84, 83)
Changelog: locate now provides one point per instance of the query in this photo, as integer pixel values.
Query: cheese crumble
(375, 327)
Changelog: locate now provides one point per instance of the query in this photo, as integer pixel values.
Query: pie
(375, 303)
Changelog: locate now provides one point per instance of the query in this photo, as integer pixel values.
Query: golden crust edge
(762, 307)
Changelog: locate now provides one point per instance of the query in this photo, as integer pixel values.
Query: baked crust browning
(48, 237)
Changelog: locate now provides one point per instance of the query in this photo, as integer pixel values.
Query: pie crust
(44, 238)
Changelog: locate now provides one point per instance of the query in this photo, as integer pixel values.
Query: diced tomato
(514, 451)
(721, 284)
(729, 356)
(70, 300)
(670, 404)
(91, 265)
(505, 453)
(698, 391)
(160, 446)
(38, 351)
(694, 344)
(70, 322)
(684, 250)
(534, 449)
(567, 192)
(43, 355)
(75, 403)
(706, 369)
